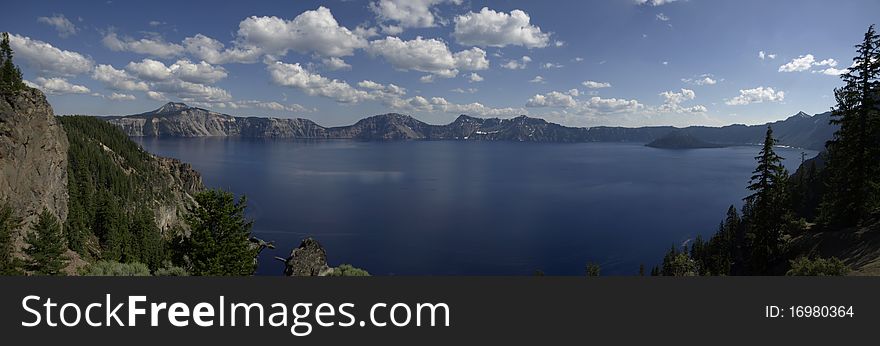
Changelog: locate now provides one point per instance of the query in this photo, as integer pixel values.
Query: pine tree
(46, 246)
(854, 154)
(593, 269)
(769, 208)
(9, 264)
(218, 242)
(10, 75)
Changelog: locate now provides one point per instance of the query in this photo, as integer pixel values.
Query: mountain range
(180, 120)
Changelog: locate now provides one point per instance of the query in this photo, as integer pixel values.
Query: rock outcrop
(33, 157)
(180, 120)
(309, 259)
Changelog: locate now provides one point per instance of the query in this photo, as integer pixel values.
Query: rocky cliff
(180, 120)
(33, 157)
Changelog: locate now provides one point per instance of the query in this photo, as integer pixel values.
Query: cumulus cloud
(596, 85)
(550, 65)
(804, 63)
(427, 55)
(673, 100)
(215, 52)
(465, 91)
(552, 99)
(597, 105)
(255, 104)
(537, 79)
(517, 64)
(57, 86)
(48, 59)
(315, 31)
(118, 79)
(154, 45)
(313, 84)
(188, 91)
(121, 97)
(156, 96)
(662, 17)
(498, 29)
(756, 95)
(407, 13)
(334, 63)
(185, 70)
(474, 77)
(62, 25)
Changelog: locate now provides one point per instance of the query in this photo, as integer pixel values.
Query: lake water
(474, 208)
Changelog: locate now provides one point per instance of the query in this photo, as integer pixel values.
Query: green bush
(804, 266)
(348, 270)
(113, 268)
(171, 271)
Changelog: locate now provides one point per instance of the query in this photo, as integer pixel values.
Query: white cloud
(313, 84)
(756, 95)
(474, 77)
(61, 24)
(58, 86)
(597, 105)
(334, 63)
(552, 99)
(255, 104)
(214, 52)
(672, 102)
(703, 79)
(764, 56)
(550, 65)
(118, 79)
(465, 91)
(157, 96)
(152, 46)
(517, 64)
(808, 61)
(428, 78)
(189, 91)
(185, 70)
(654, 2)
(558, 43)
(477, 109)
(48, 59)
(201, 72)
(427, 55)
(537, 79)
(831, 71)
(315, 31)
(662, 17)
(596, 85)
(498, 29)
(407, 13)
(121, 97)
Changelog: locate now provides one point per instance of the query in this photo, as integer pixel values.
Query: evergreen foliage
(853, 185)
(114, 186)
(9, 263)
(218, 243)
(45, 249)
(10, 75)
(593, 269)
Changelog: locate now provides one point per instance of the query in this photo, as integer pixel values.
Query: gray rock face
(180, 120)
(309, 259)
(33, 157)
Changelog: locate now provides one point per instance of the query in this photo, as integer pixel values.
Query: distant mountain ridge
(180, 120)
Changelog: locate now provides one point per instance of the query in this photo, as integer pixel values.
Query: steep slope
(33, 157)
(115, 200)
(179, 120)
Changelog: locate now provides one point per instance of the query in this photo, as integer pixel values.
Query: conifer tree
(853, 190)
(9, 264)
(769, 208)
(10, 75)
(46, 246)
(218, 242)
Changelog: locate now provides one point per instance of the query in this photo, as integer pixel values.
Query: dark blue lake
(474, 208)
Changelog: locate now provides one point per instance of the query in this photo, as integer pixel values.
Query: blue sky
(579, 63)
